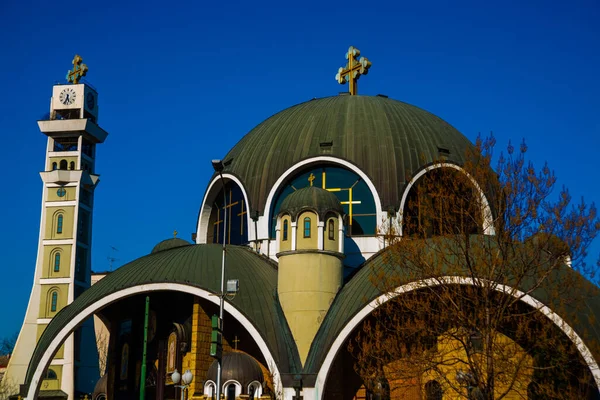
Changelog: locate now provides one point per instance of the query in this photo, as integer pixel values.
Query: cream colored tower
(310, 234)
(62, 269)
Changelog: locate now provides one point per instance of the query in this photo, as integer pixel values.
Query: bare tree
(477, 246)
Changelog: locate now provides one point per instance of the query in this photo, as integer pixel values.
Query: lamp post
(218, 167)
(185, 379)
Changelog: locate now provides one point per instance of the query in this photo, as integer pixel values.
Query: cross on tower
(235, 342)
(353, 70)
(311, 178)
(79, 70)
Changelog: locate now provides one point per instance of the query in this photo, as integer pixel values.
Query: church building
(288, 234)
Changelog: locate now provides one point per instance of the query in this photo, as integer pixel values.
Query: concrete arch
(263, 229)
(209, 197)
(488, 226)
(368, 309)
(56, 342)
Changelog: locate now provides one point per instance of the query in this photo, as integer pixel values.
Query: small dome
(237, 366)
(311, 198)
(170, 244)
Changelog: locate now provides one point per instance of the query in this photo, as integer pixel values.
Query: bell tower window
(330, 229)
(54, 301)
(63, 164)
(59, 223)
(57, 262)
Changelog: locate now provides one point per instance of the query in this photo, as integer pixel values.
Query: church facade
(294, 213)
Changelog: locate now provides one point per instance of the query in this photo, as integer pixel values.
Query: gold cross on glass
(79, 70)
(353, 70)
(311, 178)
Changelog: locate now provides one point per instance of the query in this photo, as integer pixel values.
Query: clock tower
(63, 266)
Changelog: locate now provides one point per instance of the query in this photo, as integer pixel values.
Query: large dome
(387, 139)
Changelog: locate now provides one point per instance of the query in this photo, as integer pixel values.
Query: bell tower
(63, 265)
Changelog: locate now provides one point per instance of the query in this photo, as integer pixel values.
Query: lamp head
(175, 377)
(218, 165)
(187, 377)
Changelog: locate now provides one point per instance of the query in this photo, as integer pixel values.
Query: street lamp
(232, 285)
(185, 379)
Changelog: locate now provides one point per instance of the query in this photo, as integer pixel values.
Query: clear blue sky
(179, 84)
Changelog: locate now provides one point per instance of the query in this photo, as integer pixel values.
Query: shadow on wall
(354, 257)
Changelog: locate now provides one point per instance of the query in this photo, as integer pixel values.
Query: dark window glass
(63, 164)
(56, 262)
(433, 390)
(307, 227)
(231, 392)
(54, 301)
(285, 229)
(235, 207)
(59, 223)
(72, 165)
(54, 166)
(330, 228)
(51, 374)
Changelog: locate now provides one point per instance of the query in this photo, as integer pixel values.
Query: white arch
(263, 227)
(206, 208)
(488, 223)
(151, 287)
(366, 310)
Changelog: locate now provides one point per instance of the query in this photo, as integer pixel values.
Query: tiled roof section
(360, 291)
(314, 198)
(387, 139)
(199, 266)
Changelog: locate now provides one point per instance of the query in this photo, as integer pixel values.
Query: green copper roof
(387, 139)
(170, 244)
(311, 198)
(198, 266)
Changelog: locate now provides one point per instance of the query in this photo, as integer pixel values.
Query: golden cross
(311, 178)
(241, 215)
(235, 342)
(175, 233)
(218, 223)
(353, 70)
(229, 206)
(79, 70)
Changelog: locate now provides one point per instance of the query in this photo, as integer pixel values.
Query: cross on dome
(353, 70)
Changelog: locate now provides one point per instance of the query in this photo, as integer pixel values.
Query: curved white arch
(366, 310)
(206, 208)
(151, 287)
(488, 225)
(238, 387)
(264, 221)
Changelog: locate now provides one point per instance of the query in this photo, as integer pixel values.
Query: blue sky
(179, 84)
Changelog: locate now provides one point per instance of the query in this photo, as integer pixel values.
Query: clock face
(67, 96)
(90, 100)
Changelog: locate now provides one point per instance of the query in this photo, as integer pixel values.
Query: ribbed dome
(237, 366)
(169, 244)
(311, 198)
(387, 139)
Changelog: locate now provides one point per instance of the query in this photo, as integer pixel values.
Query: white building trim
(206, 208)
(366, 310)
(145, 288)
(488, 223)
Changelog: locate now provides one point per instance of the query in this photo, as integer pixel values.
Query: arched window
(433, 390)
(51, 374)
(57, 261)
(230, 392)
(59, 223)
(254, 390)
(285, 229)
(63, 164)
(330, 229)
(210, 390)
(307, 227)
(72, 165)
(54, 166)
(54, 301)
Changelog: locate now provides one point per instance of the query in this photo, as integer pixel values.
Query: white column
(320, 230)
(294, 224)
(340, 234)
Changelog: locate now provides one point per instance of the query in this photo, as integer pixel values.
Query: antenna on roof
(111, 258)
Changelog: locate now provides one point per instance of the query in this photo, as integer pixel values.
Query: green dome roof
(387, 139)
(169, 244)
(311, 198)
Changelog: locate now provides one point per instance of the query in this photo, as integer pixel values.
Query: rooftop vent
(382, 95)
